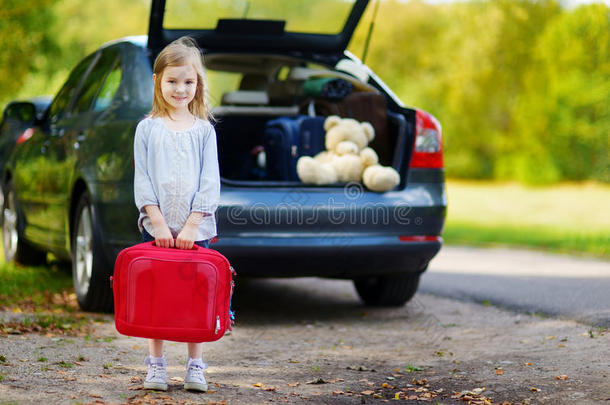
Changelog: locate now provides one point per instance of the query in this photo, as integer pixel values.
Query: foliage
(42, 40)
(568, 88)
(520, 86)
(25, 41)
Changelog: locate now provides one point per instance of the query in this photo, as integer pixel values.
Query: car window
(109, 88)
(61, 102)
(94, 81)
(220, 82)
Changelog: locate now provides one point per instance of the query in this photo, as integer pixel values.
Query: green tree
(25, 41)
(465, 63)
(566, 105)
(58, 33)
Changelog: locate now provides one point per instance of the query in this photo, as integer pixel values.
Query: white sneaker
(156, 379)
(195, 379)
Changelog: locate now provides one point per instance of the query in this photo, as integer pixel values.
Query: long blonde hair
(181, 52)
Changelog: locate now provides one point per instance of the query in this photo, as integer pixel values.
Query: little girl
(177, 184)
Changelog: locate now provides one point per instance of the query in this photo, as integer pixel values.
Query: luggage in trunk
(285, 139)
(361, 106)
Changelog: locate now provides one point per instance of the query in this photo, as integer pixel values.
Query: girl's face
(178, 86)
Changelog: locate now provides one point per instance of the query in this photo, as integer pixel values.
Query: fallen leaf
(295, 384)
(561, 377)
(317, 380)
(338, 392)
(549, 338)
(534, 389)
(561, 345)
(528, 364)
(423, 381)
(269, 388)
(499, 371)
(95, 396)
(258, 385)
(360, 368)
(385, 385)
(367, 392)
(177, 379)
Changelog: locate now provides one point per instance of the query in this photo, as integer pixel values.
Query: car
(18, 116)
(68, 182)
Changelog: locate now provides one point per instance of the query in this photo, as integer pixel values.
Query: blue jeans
(147, 237)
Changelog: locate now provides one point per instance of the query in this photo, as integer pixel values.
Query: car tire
(387, 290)
(90, 273)
(16, 248)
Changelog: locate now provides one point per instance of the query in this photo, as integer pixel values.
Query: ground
(311, 341)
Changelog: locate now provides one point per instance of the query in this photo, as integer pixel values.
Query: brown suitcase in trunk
(361, 106)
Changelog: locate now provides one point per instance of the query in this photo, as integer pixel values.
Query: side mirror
(21, 111)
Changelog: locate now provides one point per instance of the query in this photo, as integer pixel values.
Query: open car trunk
(251, 92)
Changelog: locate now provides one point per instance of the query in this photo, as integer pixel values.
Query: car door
(38, 169)
(67, 146)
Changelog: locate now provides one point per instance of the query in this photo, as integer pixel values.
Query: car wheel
(16, 248)
(387, 290)
(90, 274)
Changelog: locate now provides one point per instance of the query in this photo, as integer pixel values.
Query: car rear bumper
(344, 256)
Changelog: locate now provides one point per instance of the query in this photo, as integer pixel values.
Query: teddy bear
(347, 158)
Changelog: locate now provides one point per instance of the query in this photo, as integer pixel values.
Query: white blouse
(177, 171)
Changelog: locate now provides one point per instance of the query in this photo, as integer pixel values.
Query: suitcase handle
(195, 246)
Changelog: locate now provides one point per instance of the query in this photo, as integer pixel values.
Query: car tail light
(420, 238)
(27, 134)
(428, 145)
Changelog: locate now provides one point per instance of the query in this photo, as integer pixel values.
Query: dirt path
(310, 341)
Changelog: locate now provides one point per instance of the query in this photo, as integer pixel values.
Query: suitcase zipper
(217, 325)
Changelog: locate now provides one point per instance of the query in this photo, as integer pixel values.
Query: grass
(24, 286)
(568, 218)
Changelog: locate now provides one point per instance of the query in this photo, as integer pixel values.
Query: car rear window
(303, 16)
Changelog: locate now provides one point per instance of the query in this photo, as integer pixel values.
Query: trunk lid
(279, 26)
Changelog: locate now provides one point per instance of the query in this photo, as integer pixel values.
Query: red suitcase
(172, 294)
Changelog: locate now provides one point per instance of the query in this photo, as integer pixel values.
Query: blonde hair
(181, 52)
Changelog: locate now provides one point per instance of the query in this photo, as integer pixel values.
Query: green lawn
(34, 288)
(566, 218)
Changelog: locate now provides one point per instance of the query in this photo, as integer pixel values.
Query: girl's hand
(163, 236)
(187, 236)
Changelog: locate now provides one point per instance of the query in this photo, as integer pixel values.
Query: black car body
(69, 186)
